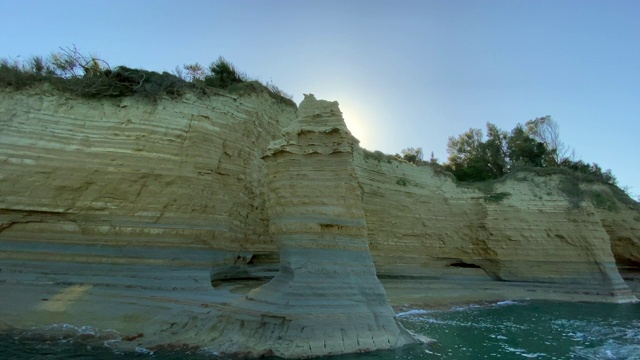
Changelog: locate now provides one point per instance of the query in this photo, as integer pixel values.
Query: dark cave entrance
(629, 270)
(462, 264)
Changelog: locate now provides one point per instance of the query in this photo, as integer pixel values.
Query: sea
(502, 330)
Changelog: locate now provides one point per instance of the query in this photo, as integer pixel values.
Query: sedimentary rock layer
(114, 172)
(114, 211)
(122, 214)
(326, 298)
(522, 229)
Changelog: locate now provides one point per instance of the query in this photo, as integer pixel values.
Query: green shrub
(570, 186)
(440, 170)
(123, 81)
(223, 74)
(19, 76)
(602, 200)
(593, 172)
(373, 155)
(88, 76)
(378, 156)
(402, 181)
(496, 197)
(277, 91)
(412, 155)
(148, 84)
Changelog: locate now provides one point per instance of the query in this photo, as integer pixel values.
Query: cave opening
(462, 264)
(629, 270)
(626, 265)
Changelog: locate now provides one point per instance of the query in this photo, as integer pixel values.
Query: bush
(223, 74)
(496, 197)
(602, 200)
(594, 171)
(570, 186)
(148, 84)
(440, 170)
(13, 75)
(71, 71)
(412, 155)
(277, 91)
(88, 76)
(124, 81)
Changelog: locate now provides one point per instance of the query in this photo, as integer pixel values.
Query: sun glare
(355, 123)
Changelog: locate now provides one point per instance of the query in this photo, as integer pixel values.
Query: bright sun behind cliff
(355, 123)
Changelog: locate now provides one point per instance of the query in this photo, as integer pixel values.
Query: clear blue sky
(406, 73)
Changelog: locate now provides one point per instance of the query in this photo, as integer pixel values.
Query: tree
(179, 73)
(547, 131)
(537, 143)
(523, 149)
(195, 72)
(472, 158)
(496, 150)
(466, 146)
(432, 159)
(412, 155)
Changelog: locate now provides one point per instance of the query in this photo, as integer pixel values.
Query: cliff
(165, 218)
(523, 230)
(325, 298)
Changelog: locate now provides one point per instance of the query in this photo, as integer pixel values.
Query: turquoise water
(505, 330)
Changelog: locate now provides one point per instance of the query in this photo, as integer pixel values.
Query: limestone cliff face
(122, 214)
(114, 211)
(127, 172)
(523, 229)
(326, 298)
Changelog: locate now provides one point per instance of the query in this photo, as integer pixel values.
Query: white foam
(87, 330)
(533, 355)
(508, 348)
(610, 351)
(466, 307)
(507, 302)
(431, 352)
(523, 352)
(414, 312)
(141, 350)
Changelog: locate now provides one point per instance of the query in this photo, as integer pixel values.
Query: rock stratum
(241, 224)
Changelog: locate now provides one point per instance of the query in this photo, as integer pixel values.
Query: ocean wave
(64, 331)
(414, 312)
(486, 305)
(507, 302)
(523, 352)
(612, 350)
(417, 312)
(465, 307)
(142, 350)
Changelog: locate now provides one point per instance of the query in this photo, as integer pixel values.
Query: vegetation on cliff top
(535, 144)
(535, 147)
(88, 76)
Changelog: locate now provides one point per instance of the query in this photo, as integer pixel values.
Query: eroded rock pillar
(326, 298)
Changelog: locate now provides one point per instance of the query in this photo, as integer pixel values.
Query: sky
(406, 73)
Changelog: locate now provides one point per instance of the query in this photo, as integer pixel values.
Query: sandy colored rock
(166, 218)
(522, 229)
(326, 298)
(133, 202)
